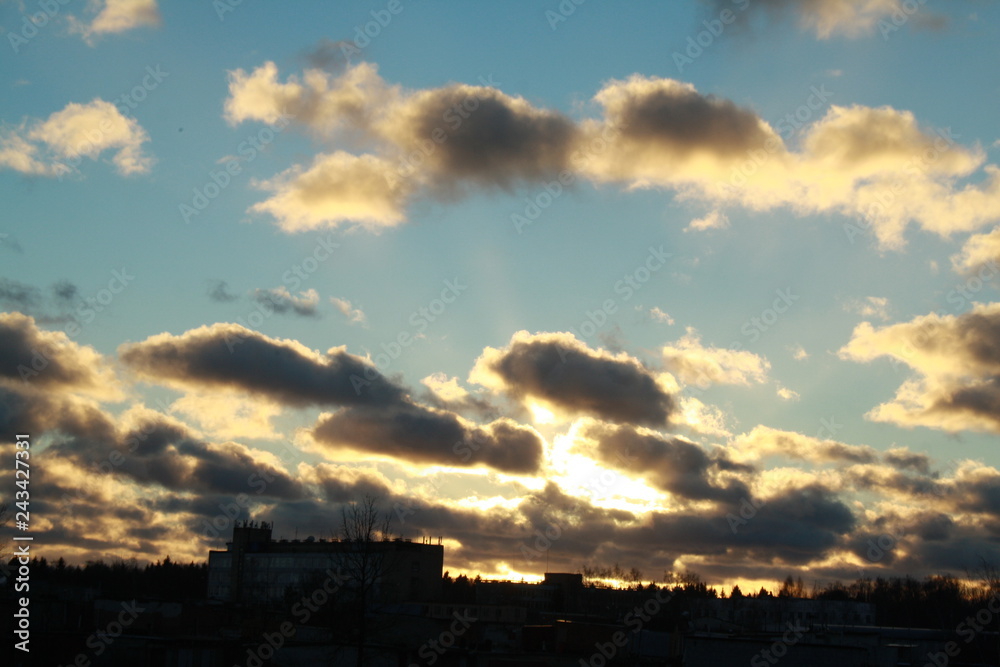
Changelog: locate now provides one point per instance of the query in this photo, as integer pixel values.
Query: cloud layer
(879, 166)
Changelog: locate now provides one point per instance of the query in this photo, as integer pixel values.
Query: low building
(256, 568)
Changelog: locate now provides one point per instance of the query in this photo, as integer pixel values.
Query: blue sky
(873, 203)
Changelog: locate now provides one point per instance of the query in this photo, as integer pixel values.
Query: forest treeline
(939, 601)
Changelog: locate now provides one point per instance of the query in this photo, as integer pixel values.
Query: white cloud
(787, 394)
(660, 316)
(714, 220)
(872, 306)
(56, 145)
(702, 366)
(957, 365)
(337, 188)
(115, 16)
(353, 315)
(444, 387)
(879, 166)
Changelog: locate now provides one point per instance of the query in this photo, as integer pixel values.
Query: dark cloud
(330, 55)
(218, 291)
(977, 402)
(229, 356)
(904, 459)
(958, 359)
(672, 464)
(48, 359)
(416, 433)
(161, 452)
(676, 121)
(341, 484)
(562, 371)
(19, 296)
(65, 292)
(489, 138)
(280, 301)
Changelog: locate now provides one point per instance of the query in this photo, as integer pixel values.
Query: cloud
(787, 394)
(353, 315)
(50, 360)
(764, 441)
(660, 316)
(666, 132)
(872, 306)
(116, 16)
(337, 187)
(559, 370)
(714, 220)
(432, 140)
(281, 301)
(701, 366)
(319, 101)
(218, 291)
(426, 435)
(876, 165)
(980, 253)
(55, 146)
(231, 357)
(226, 417)
(957, 359)
(827, 18)
(445, 388)
(486, 137)
(154, 449)
(672, 464)
(798, 352)
(19, 296)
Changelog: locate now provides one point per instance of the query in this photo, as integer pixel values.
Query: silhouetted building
(256, 568)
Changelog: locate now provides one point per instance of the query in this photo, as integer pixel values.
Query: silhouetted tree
(365, 563)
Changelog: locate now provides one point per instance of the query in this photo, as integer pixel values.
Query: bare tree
(365, 561)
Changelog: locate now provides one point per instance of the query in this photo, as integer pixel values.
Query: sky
(695, 287)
